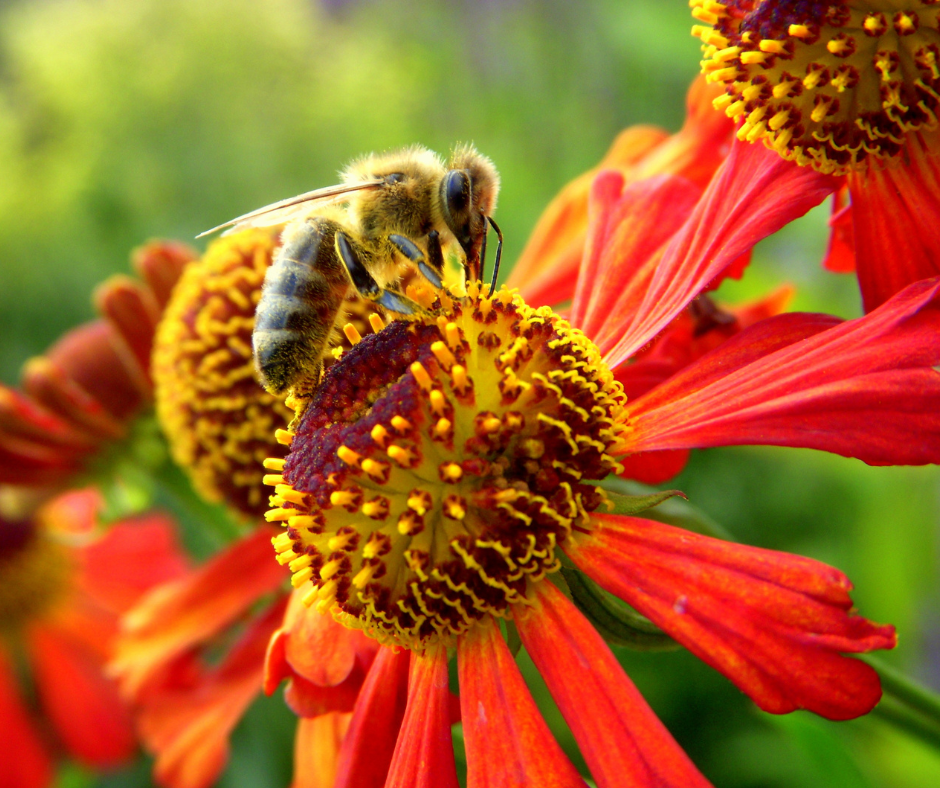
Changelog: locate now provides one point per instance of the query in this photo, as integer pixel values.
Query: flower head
(850, 88)
(62, 589)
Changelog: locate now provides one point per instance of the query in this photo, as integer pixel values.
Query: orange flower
(850, 88)
(62, 589)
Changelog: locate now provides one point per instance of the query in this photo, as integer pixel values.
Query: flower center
(34, 572)
(440, 464)
(827, 84)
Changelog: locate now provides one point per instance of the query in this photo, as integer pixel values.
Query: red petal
(840, 255)
(161, 264)
(24, 758)
(316, 750)
(753, 194)
(895, 214)
(174, 617)
(773, 623)
(370, 741)
(628, 233)
(654, 467)
(865, 388)
(620, 737)
(424, 752)
(133, 313)
(82, 704)
(188, 730)
(508, 742)
(133, 556)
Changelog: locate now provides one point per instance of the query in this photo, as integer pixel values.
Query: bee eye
(395, 177)
(456, 190)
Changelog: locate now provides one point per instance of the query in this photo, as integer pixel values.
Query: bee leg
(426, 264)
(499, 251)
(366, 285)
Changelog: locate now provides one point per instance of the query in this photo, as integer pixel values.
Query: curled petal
(424, 752)
(753, 194)
(775, 624)
(620, 737)
(370, 740)
(866, 388)
(508, 742)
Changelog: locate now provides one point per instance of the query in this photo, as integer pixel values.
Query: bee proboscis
(391, 210)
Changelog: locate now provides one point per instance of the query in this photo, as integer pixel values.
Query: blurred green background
(124, 120)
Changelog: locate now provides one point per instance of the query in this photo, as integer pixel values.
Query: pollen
(440, 499)
(842, 84)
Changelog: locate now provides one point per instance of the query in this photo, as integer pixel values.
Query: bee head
(467, 196)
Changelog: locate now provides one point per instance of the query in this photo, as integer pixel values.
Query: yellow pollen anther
(421, 376)
(376, 322)
(276, 515)
(410, 524)
(779, 119)
(753, 58)
(799, 31)
(282, 542)
(352, 334)
(455, 507)
(284, 437)
(401, 424)
(288, 493)
(452, 335)
(364, 575)
(330, 568)
(506, 496)
(348, 456)
(272, 479)
(490, 425)
(875, 24)
(442, 428)
(379, 435)
(839, 46)
(286, 557)
(772, 46)
(904, 23)
(299, 578)
(375, 509)
(443, 354)
(458, 374)
(419, 502)
(302, 522)
(342, 498)
(337, 353)
(450, 472)
(299, 563)
(340, 541)
(403, 456)
(438, 402)
(274, 464)
(311, 596)
(374, 468)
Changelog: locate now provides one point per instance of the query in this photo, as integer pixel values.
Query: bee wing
(291, 208)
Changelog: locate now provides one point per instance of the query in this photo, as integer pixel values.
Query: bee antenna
(499, 251)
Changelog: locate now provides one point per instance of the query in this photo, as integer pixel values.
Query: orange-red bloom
(427, 496)
(62, 590)
(850, 88)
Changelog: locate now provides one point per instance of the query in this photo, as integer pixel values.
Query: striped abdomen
(303, 291)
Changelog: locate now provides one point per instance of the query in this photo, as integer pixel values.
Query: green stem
(907, 705)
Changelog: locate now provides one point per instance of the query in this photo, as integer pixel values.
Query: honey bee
(391, 210)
